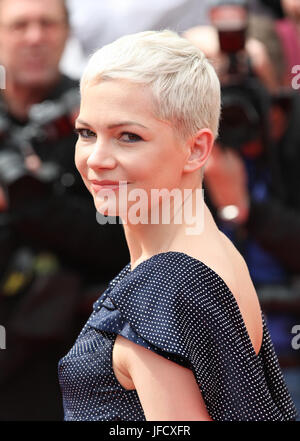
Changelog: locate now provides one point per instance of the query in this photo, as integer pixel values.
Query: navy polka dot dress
(176, 306)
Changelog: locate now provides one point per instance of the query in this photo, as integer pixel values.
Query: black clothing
(275, 222)
(55, 259)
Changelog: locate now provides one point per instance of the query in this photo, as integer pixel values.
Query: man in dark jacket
(51, 246)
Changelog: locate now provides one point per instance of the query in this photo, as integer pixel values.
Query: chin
(106, 209)
(36, 79)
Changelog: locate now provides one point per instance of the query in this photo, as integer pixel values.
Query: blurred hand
(226, 180)
(33, 163)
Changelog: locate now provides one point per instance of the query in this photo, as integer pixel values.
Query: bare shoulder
(121, 350)
(245, 293)
(220, 254)
(127, 354)
(237, 274)
(152, 376)
(234, 254)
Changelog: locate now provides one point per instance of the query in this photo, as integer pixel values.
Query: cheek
(6, 51)
(81, 166)
(58, 44)
(80, 160)
(163, 166)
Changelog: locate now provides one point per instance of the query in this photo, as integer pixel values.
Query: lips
(105, 185)
(105, 182)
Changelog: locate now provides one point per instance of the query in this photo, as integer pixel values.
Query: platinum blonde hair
(185, 86)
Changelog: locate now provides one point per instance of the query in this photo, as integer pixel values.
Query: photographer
(256, 163)
(46, 219)
(221, 13)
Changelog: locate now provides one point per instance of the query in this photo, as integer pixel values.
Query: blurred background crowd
(55, 258)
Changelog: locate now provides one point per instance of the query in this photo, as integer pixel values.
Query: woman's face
(120, 139)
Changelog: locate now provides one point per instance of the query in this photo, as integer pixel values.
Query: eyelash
(80, 133)
(137, 138)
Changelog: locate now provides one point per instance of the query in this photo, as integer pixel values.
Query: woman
(178, 334)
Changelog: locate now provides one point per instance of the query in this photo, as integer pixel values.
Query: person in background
(277, 28)
(234, 13)
(49, 235)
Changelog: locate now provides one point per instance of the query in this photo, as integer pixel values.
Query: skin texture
(158, 160)
(149, 157)
(112, 154)
(167, 391)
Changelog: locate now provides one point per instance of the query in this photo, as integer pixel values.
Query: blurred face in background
(33, 34)
(291, 8)
(228, 17)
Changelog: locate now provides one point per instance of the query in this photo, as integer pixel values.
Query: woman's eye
(85, 133)
(130, 137)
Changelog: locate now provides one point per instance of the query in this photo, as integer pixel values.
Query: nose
(101, 157)
(34, 33)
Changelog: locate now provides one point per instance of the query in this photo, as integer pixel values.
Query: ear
(199, 149)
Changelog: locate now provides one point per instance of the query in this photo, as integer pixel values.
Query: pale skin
(147, 153)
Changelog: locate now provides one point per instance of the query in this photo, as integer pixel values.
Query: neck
(19, 98)
(185, 227)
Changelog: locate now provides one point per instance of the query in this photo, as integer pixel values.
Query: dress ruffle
(195, 321)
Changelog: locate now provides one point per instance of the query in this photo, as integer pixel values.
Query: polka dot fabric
(176, 306)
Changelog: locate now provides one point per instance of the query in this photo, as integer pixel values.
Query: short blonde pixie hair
(185, 86)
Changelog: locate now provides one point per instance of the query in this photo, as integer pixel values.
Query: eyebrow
(115, 125)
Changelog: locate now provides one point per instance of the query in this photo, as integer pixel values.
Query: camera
(20, 183)
(245, 101)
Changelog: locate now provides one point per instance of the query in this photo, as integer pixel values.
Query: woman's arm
(167, 391)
